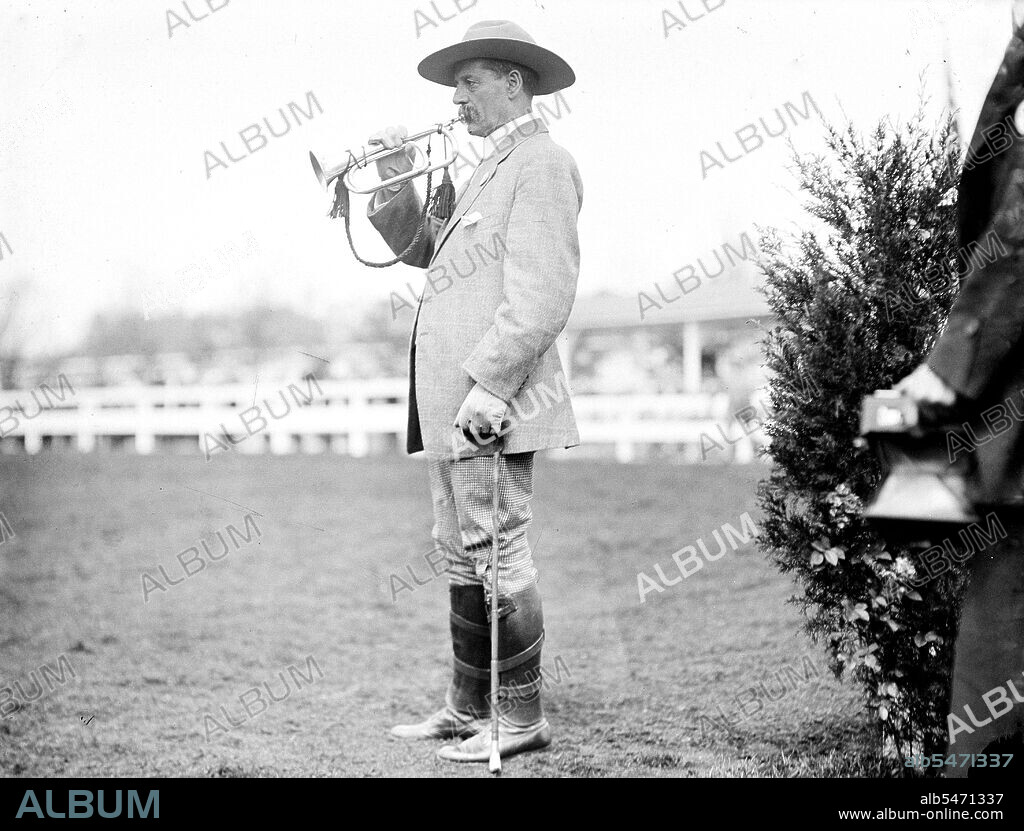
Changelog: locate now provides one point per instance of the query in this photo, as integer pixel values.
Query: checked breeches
(461, 492)
(463, 507)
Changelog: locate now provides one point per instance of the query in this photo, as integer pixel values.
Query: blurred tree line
(201, 336)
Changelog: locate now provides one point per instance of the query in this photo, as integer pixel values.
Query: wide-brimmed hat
(500, 40)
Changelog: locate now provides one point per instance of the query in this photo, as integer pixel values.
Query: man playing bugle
(501, 281)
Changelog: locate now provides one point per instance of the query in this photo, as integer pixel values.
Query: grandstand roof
(728, 297)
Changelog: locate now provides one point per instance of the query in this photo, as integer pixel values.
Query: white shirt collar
(495, 140)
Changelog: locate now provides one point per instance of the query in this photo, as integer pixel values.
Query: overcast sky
(109, 107)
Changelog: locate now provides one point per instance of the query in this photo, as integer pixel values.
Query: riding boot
(466, 703)
(520, 639)
(521, 722)
(471, 643)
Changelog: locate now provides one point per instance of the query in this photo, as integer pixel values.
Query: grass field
(628, 682)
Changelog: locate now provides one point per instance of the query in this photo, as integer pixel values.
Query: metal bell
(923, 494)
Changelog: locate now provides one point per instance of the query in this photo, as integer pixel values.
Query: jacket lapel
(469, 195)
(485, 172)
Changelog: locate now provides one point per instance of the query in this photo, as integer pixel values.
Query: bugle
(327, 173)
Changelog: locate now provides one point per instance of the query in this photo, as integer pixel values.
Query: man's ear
(515, 82)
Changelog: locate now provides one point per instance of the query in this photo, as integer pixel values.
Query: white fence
(357, 418)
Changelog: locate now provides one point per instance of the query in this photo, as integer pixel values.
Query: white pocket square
(471, 218)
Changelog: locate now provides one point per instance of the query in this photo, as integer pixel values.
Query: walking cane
(494, 766)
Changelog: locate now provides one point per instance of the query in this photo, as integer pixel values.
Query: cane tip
(495, 764)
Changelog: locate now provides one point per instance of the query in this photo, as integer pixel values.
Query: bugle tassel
(340, 207)
(442, 206)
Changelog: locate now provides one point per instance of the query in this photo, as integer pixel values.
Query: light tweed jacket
(501, 281)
